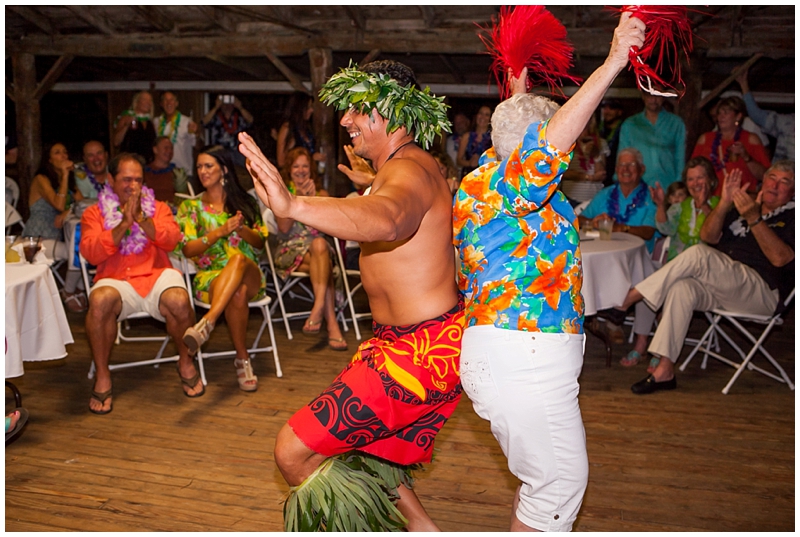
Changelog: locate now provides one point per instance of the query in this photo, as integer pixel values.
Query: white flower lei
(135, 238)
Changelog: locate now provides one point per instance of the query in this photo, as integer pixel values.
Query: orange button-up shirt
(140, 270)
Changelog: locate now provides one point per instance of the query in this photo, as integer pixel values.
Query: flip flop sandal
(248, 382)
(191, 383)
(74, 303)
(631, 359)
(332, 340)
(21, 421)
(102, 398)
(312, 327)
(653, 364)
(196, 335)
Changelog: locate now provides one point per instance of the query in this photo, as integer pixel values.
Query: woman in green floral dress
(224, 235)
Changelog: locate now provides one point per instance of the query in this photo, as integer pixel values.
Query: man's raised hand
(268, 182)
(360, 172)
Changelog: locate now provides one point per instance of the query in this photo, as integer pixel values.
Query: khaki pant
(701, 278)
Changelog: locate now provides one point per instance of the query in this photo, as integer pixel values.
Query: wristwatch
(204, 240)
(626, 228)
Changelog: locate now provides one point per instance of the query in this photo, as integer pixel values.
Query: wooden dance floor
(688, 460)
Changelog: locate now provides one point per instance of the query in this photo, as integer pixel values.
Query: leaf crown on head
(422, 114)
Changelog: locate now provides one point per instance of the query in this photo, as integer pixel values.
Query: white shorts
(526, 385)
(133, 302)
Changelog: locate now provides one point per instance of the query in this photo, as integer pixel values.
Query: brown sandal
(245, 375)
(191, 382)
(342, 344)
(101, 397)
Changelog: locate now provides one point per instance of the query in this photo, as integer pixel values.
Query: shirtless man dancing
(403, 384)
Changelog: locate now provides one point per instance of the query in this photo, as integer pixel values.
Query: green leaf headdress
(422, 114)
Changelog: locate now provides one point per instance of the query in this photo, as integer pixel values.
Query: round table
(36, 325)
(610, 269)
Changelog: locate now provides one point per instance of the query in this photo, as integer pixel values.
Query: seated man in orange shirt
(128, 235)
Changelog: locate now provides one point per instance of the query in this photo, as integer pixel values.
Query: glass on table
(605, 226)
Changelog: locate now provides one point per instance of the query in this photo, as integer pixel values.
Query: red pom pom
(529, 36)
(668, 33)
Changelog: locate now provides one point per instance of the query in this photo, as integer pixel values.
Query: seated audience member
(780, 126)
(49, 200)
(226, 120)
(296, 129)
(682, 221)
(162, 175)
(181, 131)
(128, 236)
(746, 265)
(587, 169)
(133, 130)
(733, 148)
(676, 193)
(474, 143)
(629, 205)
(91, 174)
(224, 235)
(304, 249)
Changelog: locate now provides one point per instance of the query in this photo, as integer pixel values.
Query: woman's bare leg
(239, 269)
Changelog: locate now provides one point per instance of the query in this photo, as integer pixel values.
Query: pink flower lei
(135, 238)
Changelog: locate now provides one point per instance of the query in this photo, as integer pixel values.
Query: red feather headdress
(528, 36)
(669, 32)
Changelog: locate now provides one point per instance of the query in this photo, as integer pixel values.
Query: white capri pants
(526, 385)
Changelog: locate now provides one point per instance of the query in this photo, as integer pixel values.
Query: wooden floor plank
(688, 460)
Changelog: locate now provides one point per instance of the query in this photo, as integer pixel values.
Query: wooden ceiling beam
(218, 17)
(280, 20)
(356, 17)
(52, 76)
(293, 79)
(34, 17)
(457, 40)
(232, 63)
(86, 14)
(156, 18)
(428, 15)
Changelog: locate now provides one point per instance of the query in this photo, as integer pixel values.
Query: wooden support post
(321, 60)
(29, 125)
(687, 108)
(716, 91)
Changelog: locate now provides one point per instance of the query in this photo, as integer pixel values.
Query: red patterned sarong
(394, 396)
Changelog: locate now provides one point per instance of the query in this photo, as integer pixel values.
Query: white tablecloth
(610, 268)
(36, 325)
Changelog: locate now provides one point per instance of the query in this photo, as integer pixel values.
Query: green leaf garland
(422, 114)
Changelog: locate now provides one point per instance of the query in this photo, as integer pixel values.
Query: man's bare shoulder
(414, 169)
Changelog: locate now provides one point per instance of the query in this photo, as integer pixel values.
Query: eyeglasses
(628, 165)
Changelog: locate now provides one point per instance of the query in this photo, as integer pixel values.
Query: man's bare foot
(101, 401)
(191, 382)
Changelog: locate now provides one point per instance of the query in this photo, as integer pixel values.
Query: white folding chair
(159, 359)
(715, 329)
(349, 292)
(188, 268)
(13, 190)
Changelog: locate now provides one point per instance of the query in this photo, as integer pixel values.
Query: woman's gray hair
(632, 151)
(512, 117)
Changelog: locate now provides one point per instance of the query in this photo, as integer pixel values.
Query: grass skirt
(351, 492)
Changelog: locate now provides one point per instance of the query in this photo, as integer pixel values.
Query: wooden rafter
(428, 15)
(156, 18)
(218, 16)
(238, 66)
(720, 87)
(280, 21)
(371, 55)
(293, 79)
(86, 14)
(52, 76)
(31, 15)
(356, 17)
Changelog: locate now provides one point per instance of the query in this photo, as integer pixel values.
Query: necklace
(92, 179)
(176, 120)
(231, 126)
(135, 238)
(718, 159)
(398, 149)
(640, 194)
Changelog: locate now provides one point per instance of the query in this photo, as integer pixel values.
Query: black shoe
(650, 385)
(614, 315)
